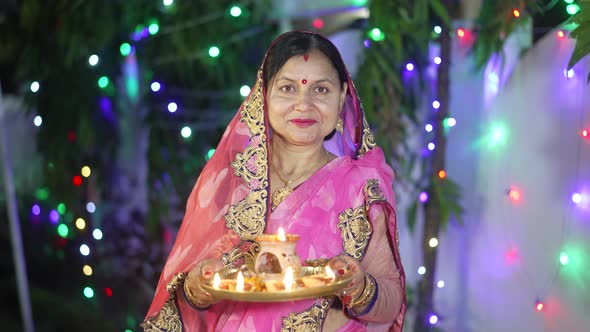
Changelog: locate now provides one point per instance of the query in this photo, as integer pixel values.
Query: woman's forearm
(379, 262)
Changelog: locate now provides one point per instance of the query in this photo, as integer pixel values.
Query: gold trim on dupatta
(247, 218)
(355, 227)
(368, 139)
(310, 320)
(355, 230)
(168, 318)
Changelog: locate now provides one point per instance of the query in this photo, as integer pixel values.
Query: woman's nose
(303, 103)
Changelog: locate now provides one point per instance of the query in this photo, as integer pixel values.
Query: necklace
(280, 194)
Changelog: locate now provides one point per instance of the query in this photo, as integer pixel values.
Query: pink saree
(332, 211)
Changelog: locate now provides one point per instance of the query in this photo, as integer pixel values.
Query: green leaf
(441, 11)
(580, 51)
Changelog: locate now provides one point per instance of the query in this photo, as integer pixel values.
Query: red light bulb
(560, 34)
(318, 23)
(514, 194)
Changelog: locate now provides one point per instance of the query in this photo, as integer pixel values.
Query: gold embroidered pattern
(310, 320)
(168, 318)
(247, 218)
(373, 192)
(238, 253)
(356, 231)
(368, 139)
(253, 172)
(354, 225)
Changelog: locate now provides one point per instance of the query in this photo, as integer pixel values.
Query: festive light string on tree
(498, 137)
(169, 4)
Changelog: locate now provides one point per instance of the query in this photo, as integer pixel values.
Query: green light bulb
(564, 259)
(210, 153)
(61, 208)
(153, 28)
(88, 292)
(376, 34)
(103, 82)
(125, 49)
(572, 9)
(214, 51)
(62, 230)
(235, 11)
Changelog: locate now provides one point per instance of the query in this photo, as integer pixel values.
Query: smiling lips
(303, 122)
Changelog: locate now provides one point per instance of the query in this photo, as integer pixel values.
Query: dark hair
(295, 43)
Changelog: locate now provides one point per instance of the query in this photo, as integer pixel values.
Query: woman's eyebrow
(321, 80)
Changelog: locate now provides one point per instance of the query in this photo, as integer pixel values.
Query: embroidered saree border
(168, 318)
(310, 320)
(247, 218)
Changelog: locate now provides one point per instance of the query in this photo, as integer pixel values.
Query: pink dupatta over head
(230, 205)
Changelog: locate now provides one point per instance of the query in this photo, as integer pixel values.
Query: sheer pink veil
(235, 182)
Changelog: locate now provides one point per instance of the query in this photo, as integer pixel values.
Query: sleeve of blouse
(380, 263)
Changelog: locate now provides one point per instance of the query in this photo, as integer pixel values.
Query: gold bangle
(191, 297)
(367, 295)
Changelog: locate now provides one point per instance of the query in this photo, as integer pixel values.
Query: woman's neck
(291, 161)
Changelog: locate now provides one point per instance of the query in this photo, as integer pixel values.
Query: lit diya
(277, 254)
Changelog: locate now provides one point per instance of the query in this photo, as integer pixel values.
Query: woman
(298, 155)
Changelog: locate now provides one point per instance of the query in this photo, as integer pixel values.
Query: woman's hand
(345, 265)
(202, 273)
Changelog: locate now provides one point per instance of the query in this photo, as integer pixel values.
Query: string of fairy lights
(580, 199)
(61, 218)
(497, 135)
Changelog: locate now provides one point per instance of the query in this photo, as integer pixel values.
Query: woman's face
(305, 99)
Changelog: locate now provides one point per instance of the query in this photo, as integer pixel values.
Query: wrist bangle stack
(367, 298)
(192, 299)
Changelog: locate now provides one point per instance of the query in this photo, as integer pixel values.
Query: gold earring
(339, 126)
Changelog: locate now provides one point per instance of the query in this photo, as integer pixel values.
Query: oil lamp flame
(216, 280)
(240, 282)
(329, 273)
(281, 235)
(288, 278)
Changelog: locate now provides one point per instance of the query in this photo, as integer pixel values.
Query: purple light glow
(53, 216)
(107, 108)
(576, 198)
(410, 66)
(423, 197)
(36, 210)
(367, 43)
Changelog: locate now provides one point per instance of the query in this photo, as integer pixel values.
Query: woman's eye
(287, 88)
(321, 89)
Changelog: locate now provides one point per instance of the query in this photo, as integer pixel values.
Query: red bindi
(306, 57)
(304, 81)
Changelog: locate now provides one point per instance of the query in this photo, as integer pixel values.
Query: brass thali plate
(300, 293)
